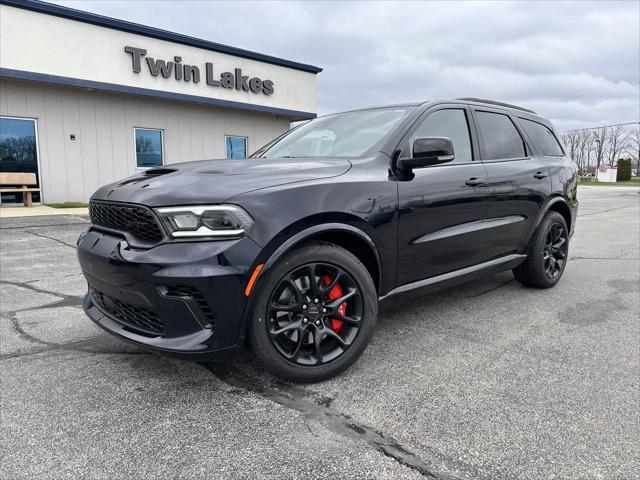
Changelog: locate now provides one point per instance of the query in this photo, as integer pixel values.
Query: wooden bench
(14, 182)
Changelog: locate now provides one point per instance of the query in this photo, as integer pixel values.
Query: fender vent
(182, 291)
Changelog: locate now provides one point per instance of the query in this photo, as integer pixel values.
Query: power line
(601, 126)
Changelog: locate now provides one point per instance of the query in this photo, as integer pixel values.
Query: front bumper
(185, 299)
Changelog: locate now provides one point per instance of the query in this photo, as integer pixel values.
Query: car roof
(473, 101)
(495, 103)
(515, 110)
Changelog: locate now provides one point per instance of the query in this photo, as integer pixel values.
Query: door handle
(475, 182)
(540, 175)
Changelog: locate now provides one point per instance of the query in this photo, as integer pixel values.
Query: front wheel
(315, 313)
(548, 254)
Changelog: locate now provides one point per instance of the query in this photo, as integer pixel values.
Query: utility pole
(598, 156)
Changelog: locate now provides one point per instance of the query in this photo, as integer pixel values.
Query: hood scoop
(154, 172)
(151, 173)
(131, 181)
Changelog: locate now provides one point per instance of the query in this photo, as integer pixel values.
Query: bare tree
(600, 139)
(573, 147)
(633, 147)
(617, 143)
(584, 148)
(570, 139)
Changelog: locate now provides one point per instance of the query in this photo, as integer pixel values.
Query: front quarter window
(350, 134)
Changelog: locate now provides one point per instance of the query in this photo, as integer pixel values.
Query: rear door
(518, 181)
(443, 207)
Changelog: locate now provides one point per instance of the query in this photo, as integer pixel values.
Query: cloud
(575, 62)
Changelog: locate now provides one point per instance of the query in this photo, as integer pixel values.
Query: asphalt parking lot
(487, 380)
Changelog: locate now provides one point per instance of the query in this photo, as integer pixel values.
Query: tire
(548, 254)
(296, 354)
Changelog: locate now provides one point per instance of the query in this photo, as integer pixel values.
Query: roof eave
(152, 32)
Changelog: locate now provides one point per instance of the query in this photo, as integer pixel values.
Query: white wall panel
(88, 137)
(103, 123)
(104, 140)
(54, 171)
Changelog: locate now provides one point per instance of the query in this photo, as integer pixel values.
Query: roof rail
(492, 102)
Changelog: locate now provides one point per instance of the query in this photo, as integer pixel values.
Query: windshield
(350, 134)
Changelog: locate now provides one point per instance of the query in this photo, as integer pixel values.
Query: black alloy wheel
(314, 314)
(547, 254)
(555, 250)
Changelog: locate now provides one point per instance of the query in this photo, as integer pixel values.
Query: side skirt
(458, 276)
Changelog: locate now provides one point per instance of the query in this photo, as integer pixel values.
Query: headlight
(205, 221)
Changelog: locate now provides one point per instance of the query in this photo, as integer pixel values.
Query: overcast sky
(576, 63)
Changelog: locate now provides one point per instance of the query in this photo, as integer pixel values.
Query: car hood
(214, 181)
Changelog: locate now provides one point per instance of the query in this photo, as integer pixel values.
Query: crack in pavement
(64, 300)
(605, 211)
(85, 345)
(51, 278)
(51, 238)
(28, 286)
(20, 227)
(69, 301)
(604, 258)
(313, 406)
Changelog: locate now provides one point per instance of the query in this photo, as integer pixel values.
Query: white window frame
(35, 127)
(135, 151)
(246, 144)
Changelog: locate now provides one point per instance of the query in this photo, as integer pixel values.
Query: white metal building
(607, 174)
(86, 99)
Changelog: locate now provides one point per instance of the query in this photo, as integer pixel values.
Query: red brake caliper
(336, 292)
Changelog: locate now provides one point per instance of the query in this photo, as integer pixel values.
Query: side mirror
(428, 151)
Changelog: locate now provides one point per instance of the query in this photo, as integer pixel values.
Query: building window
(18, 152)
(149, 148)
(236, 147)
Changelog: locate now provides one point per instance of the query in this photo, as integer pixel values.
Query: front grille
(138, 318)
(195, 294)
(138, 221)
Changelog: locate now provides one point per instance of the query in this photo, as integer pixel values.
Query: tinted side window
(451, 124)
(500, 136)
(544, 138)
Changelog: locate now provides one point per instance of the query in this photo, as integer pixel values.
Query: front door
(18, 151)
(442, 209)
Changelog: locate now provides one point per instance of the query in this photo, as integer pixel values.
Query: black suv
(293, 247)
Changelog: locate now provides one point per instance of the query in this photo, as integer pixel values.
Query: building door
(18, 152)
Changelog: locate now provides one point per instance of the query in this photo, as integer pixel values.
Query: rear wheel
(315, 313)
(548, 255)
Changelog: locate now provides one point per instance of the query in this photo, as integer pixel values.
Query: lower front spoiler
(189, 347)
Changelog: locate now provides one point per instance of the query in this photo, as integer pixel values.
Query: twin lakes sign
(191, 73)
